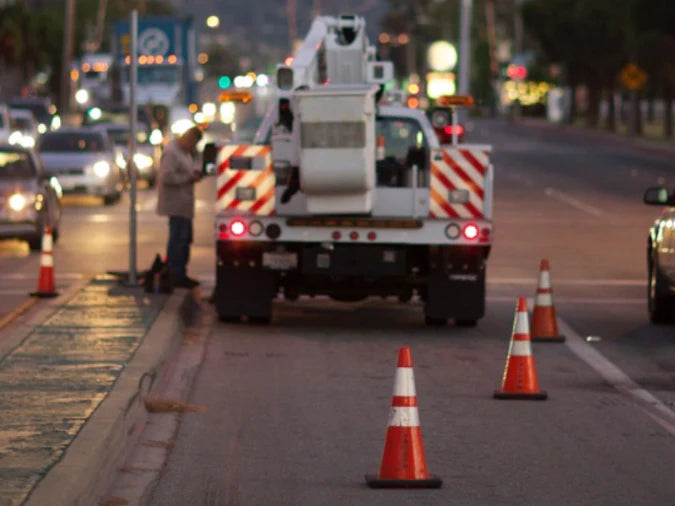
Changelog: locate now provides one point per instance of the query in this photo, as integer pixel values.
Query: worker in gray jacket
(178, 174)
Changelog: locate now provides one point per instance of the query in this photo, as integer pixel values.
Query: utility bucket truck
(339, 196)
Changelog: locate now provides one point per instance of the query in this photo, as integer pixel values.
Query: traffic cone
(520, 376)
(380, 148)
(544, 322)
(403, 461)
(46, 286)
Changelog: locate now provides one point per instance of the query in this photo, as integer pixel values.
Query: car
(441, 119)
(24, 128)
(145, 156)
(44, 111)
(5, 131)
(30, 199)
(84, 161)
(661, 256)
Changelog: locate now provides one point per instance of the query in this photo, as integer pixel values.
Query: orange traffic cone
(403, 461)
(46, 286)
(520, 376)
(544, 322)
(380, 148)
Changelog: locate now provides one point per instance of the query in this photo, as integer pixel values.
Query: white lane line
(573, 282)
(656, 409)
(568, 199)
(17, 276)
(606, 301)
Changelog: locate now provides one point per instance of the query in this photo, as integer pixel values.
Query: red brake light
(470, 231)
(237, 228)
(448, 130)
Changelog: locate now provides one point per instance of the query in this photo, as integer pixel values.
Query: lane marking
(651, 405)
(568, 199)
(17, 276)
(573, 282)
(25, 306)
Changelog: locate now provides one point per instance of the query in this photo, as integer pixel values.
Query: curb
(79, 478)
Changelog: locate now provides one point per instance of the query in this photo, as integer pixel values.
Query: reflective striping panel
(404, 417)
(520, 348)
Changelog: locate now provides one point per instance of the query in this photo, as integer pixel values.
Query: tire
(35, 243)
(432, 321)
(661, 306)
(228, 318)
(466, 323)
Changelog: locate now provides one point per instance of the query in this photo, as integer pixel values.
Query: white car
(24, 128)
(4, 124)
(84, 161)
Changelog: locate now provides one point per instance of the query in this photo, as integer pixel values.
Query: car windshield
(77, 142)
(14, 164)
(40, 111)
(21, 123)
(120, 135)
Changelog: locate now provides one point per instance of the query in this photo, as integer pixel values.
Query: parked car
(145, 156)
(24, 128)
(30, 199)
(4, 124)
(661, 256)
(44, 111)
(84, 161)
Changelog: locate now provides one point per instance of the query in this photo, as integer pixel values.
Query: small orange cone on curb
(544, 322)
(403, 462)
(46, 286)
(520, 376)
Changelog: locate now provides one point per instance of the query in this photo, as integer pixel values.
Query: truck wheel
(228, 318)
(466, 323)
(433, 321)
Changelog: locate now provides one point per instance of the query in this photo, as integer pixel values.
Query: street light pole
(67, 55)
(465, 46)
(133, 111)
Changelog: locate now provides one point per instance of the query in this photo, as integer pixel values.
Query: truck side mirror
(657, 196)
(209, 159)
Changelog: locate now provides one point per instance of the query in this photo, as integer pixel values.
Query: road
(295, 412)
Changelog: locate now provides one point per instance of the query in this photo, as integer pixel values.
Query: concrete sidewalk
(55, 379)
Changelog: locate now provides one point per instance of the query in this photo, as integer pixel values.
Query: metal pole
(518, 43)
(465, 46)
(67, 56)
(133, 77)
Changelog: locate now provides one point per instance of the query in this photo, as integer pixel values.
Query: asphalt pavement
(295, 412)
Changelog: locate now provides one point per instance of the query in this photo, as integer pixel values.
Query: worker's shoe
(185, 283)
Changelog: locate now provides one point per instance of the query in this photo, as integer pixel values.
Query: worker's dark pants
(178, 248)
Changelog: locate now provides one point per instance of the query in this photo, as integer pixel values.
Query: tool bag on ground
(158, 279)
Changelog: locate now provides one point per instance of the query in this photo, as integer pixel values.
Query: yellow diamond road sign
(633, 77)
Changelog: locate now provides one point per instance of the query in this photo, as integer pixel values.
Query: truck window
(404, 146)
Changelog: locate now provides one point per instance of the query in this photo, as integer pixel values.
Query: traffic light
(516, 72)
(224, 82)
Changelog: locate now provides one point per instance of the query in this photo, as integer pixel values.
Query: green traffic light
(224, 82)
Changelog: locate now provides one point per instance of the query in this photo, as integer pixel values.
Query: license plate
(280, 261)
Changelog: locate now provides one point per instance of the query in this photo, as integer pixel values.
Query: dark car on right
(661, 256)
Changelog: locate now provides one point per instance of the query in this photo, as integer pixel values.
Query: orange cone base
(375, 481)
(525, 396)
(44, 295)
(554, 339)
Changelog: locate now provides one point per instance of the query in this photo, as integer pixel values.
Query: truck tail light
(237, 227)
(448, 130)
(470, 231)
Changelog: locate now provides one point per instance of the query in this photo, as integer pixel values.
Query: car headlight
(27, 141)
(15, 137)
(82, 96)
(101, 168)
(42, 128)
(156, 137)
(180, 126)
(56, 122)
(19, 201)
(120, 161)
(142, 161)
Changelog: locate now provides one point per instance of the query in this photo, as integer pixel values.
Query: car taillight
(448, 130)
(470, 231)
(237, 228)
